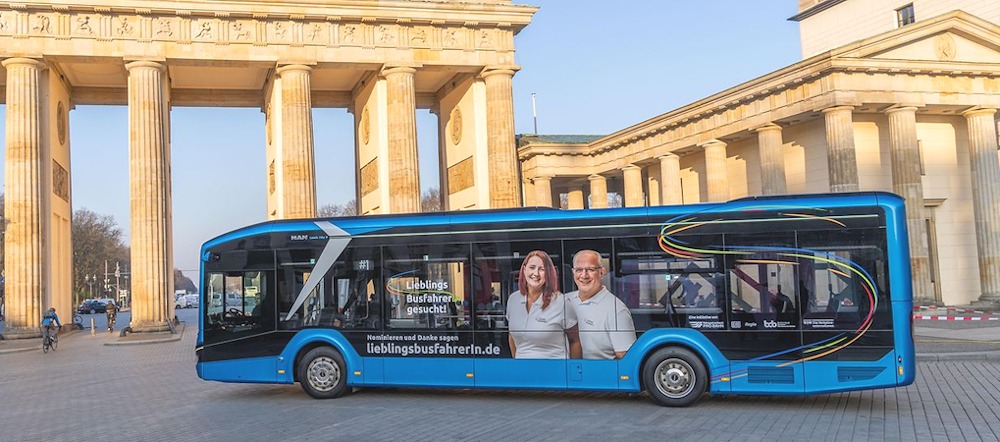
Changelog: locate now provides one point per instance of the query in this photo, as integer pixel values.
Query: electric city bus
(783, 295)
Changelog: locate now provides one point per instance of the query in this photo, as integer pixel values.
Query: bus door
(428, 338)
(847, 325)
(503, 320)
(764, 315)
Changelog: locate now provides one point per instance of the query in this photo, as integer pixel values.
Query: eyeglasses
(582, 270)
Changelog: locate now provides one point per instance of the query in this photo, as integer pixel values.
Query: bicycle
(50, 340)
(111, 322)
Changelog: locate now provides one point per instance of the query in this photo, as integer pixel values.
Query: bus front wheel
(322, 373)
(675, 377)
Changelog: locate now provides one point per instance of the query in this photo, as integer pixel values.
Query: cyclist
(48, 318)
(112, 312)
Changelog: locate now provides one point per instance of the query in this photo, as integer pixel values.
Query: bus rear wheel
(675, 377)
(322, 373)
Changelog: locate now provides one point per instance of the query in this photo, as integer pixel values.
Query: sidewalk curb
(19, 350)
(169, 338)
(965, 356)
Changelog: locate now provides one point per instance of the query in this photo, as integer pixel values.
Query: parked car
(92, 306)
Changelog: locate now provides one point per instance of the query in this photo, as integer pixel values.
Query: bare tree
(349, 208)
(430, 201)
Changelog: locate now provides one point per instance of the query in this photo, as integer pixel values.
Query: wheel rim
(675, 378)
(323, 373)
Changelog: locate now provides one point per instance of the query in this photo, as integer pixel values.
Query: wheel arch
(307, 340)
(689, 339)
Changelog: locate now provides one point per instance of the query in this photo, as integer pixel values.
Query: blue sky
(595, 66)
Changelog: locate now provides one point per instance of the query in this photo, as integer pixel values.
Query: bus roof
(357, 225)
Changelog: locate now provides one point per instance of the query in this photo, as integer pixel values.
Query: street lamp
(91, 279)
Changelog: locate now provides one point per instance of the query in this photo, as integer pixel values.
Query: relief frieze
(187, 27)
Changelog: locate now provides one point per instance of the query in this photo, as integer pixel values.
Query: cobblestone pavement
(87, 390)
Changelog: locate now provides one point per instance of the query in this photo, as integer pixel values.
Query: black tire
(55, 343)
(323, 374)
(675, 377)
(45, 346)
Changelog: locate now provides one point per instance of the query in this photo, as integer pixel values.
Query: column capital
(667, 156)
(979, 110)
(712, 143)
(24, 61)
(596, 177)
(146, 64)
(392, 70)
(490, 71)
(896, 108)
(631, 167)
(768, 127)
(838, 109)
(293, 67)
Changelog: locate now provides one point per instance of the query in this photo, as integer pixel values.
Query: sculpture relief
(365, 130)
(944, 47)
(280, 32)
(163, 28)
(3, 23)
(61, 122)
(42, 25)
(456, 126)
(485, 39)
(84, 25)
(206, 30)
(239, 33)
(349, 36)
(419, 36)
(451, 38)
(385, 36)
(124, 27)
(315, 32)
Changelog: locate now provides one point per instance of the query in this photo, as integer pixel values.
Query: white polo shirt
(539, 334)
(605, 324)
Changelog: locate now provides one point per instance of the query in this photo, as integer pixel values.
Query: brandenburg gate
(382, 60)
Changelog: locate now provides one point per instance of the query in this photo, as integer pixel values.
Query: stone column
(907, 182)
(574, 199)
(633, 186)
(841, 157)
(500, 139)
(24, 206)
(149, 189)
(543, 191)
(716, 172)
(772, 160)
(985, 199)
(670, 180)
(298, 160)
(598, 192)
(404, 170)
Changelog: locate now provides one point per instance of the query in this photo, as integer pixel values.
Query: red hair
(551, 281)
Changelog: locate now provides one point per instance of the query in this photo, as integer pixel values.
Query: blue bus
(783, 295)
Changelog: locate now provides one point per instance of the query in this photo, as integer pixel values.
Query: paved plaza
(94, 388)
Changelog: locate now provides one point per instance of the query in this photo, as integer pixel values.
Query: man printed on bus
(606, 328)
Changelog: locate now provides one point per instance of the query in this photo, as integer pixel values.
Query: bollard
(92, 332)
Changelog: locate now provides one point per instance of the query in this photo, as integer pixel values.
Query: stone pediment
(952, 37)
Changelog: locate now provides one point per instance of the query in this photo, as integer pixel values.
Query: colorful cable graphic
(840, 266)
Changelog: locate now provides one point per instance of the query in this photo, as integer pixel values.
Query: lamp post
(90, 279)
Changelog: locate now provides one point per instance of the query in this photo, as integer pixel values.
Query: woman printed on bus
(540, 325)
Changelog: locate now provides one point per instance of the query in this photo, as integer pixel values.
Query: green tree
(97, 240)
